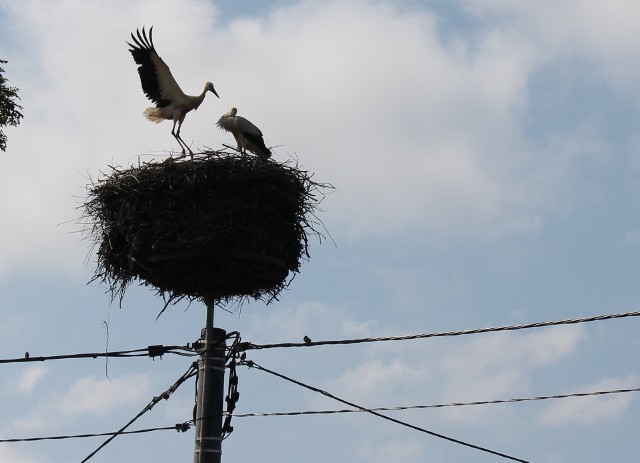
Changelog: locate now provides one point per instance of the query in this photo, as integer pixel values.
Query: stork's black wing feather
(258, 141)
(151, 68)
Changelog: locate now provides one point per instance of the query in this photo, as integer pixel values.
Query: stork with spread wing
(161, 88)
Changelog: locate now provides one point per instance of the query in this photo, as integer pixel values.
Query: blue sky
(485, 159)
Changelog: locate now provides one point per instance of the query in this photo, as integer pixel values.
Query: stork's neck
(197, 100)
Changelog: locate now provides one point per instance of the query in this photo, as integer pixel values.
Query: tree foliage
(9, 110)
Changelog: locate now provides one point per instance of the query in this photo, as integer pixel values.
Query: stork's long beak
(215, 93)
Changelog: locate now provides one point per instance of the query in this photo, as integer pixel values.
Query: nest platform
(217, 227)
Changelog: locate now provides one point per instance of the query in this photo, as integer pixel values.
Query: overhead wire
(185, 426)
(252, 364)
(251, 346)
(441, 405)
(149, 351)
(180, 427)
(188, 350)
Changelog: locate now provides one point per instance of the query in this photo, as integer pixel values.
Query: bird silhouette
(247, 135)
(161, 88)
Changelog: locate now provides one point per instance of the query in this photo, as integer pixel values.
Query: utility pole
(210, 400)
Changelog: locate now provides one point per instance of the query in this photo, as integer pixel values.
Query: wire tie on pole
(183, 427)
(198, 346)
(156, 351)
(242, 346)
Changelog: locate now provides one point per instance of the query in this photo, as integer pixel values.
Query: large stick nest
(217, 227)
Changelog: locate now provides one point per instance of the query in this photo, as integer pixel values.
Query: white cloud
(352, 328)
(500, 364)
(538, 348)
(100, 395)
(603, 34)
(86, 396)
(593, 409)
(495, 366)
(26, 382)
(374, 381)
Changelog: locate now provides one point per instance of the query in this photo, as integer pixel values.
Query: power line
(252, 364)
(192, 371)
(180, 427)
(183, 427)
(250, 346)
(442, 405)
(150, 351)
(188, 350)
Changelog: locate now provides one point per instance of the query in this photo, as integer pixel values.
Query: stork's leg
(176, 135)
(239, 142)
(180, 140)
(186, 146)
(181, 143)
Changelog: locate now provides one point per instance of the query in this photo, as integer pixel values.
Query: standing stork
(247, 135)
(161, 88)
